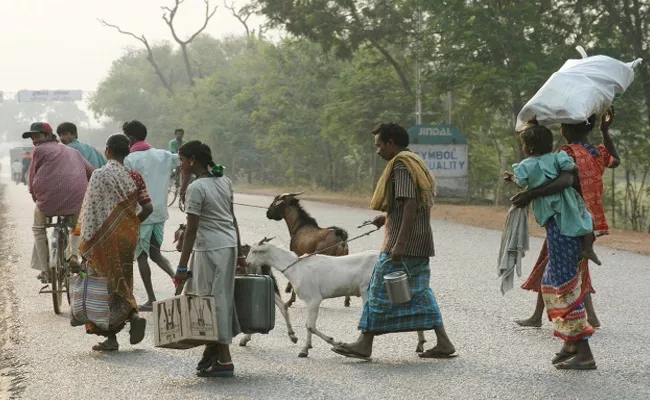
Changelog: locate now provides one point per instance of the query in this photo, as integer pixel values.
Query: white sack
(577, 90)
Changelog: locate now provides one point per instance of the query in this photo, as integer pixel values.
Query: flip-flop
(571, 364)
(435, 354)
(138, 328)
(210, 356)
(348, 352)
(563, 356)
(145, 308)
(222, 372)
(102, 347)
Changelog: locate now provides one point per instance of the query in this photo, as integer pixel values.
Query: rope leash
(330, 247)
(174, 251)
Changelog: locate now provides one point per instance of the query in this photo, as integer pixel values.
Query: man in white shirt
(155, 166)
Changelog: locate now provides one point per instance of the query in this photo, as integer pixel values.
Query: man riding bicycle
(58, 176)
(176, 143)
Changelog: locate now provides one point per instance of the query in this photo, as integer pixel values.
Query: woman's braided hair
(203, 155)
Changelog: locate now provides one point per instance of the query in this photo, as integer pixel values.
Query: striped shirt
(420, 243)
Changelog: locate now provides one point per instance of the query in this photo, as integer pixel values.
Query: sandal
(44, 277)
(563, 356)
(209, 357)
(573, 364)
(348, 352)
(217, 370)
(147, 307)
(105, 347)
(138, 328)
(432, 353)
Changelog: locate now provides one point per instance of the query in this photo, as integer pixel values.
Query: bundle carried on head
(578, 90)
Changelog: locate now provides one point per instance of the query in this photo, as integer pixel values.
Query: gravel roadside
(11, 378)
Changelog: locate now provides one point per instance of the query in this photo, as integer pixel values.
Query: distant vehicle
(20, 154)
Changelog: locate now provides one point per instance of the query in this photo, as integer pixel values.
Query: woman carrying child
(592, 160)
(570, 236)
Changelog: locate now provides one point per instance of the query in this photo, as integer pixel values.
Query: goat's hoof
(293, 339)
(303, 354)
(243, 342)
(347, 303)
(419, 349)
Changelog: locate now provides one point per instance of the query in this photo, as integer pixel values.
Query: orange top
(592, 161)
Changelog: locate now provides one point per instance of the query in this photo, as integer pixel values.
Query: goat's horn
(295, 194)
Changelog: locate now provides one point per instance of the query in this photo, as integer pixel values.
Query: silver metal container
(397, 286)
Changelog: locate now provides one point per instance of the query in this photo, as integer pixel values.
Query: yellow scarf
(422, 177)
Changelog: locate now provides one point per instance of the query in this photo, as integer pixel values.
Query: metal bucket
(397, 286)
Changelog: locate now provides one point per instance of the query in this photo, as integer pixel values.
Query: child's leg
(588, 248)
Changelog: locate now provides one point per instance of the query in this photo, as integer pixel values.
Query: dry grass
(483, 216)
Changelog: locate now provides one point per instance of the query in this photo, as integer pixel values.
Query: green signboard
(436, 134)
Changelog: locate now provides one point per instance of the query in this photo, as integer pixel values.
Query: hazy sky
(59, 44)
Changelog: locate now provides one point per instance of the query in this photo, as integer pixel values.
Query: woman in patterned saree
(109, 228)
(560, 275)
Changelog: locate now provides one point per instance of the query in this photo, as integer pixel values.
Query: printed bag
(90, 300)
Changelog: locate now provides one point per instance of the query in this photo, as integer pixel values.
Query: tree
(168, 17)
(150, 54)
(345, 26)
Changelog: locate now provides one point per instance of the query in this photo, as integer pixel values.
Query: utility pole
(449, 105)
(418, 70)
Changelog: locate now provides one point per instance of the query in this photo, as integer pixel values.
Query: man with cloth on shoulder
(405, 192)
(155, 166)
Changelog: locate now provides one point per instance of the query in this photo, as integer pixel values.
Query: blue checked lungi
(147, 231)
(421, 313)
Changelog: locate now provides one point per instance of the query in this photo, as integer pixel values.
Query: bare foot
(591, 255)
(530, 322)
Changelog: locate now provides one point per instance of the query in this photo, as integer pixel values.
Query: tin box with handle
(255, 303)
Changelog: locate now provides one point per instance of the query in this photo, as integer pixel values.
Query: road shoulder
(10, 368)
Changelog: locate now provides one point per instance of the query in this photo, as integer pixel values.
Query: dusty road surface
(51, 360)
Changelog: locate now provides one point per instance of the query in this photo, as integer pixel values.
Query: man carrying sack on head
(405, 193)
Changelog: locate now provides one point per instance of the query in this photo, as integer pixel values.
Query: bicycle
(174, 186)
(60, 271)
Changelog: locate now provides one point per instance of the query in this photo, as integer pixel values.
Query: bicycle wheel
(57, 275)
(173, 192)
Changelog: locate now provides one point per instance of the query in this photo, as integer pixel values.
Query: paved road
(497, 359)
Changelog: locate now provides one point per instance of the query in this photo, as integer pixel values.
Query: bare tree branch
(208, 16)
(142, 39)
(168, 16)
(242, 15)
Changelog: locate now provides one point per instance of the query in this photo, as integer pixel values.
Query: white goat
(320, 277)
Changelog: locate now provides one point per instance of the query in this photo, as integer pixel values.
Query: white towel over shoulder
(514, 245)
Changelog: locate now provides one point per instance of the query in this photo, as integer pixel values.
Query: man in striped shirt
(405, 193)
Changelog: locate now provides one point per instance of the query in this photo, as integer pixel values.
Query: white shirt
(211, 199)
(156, 167)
